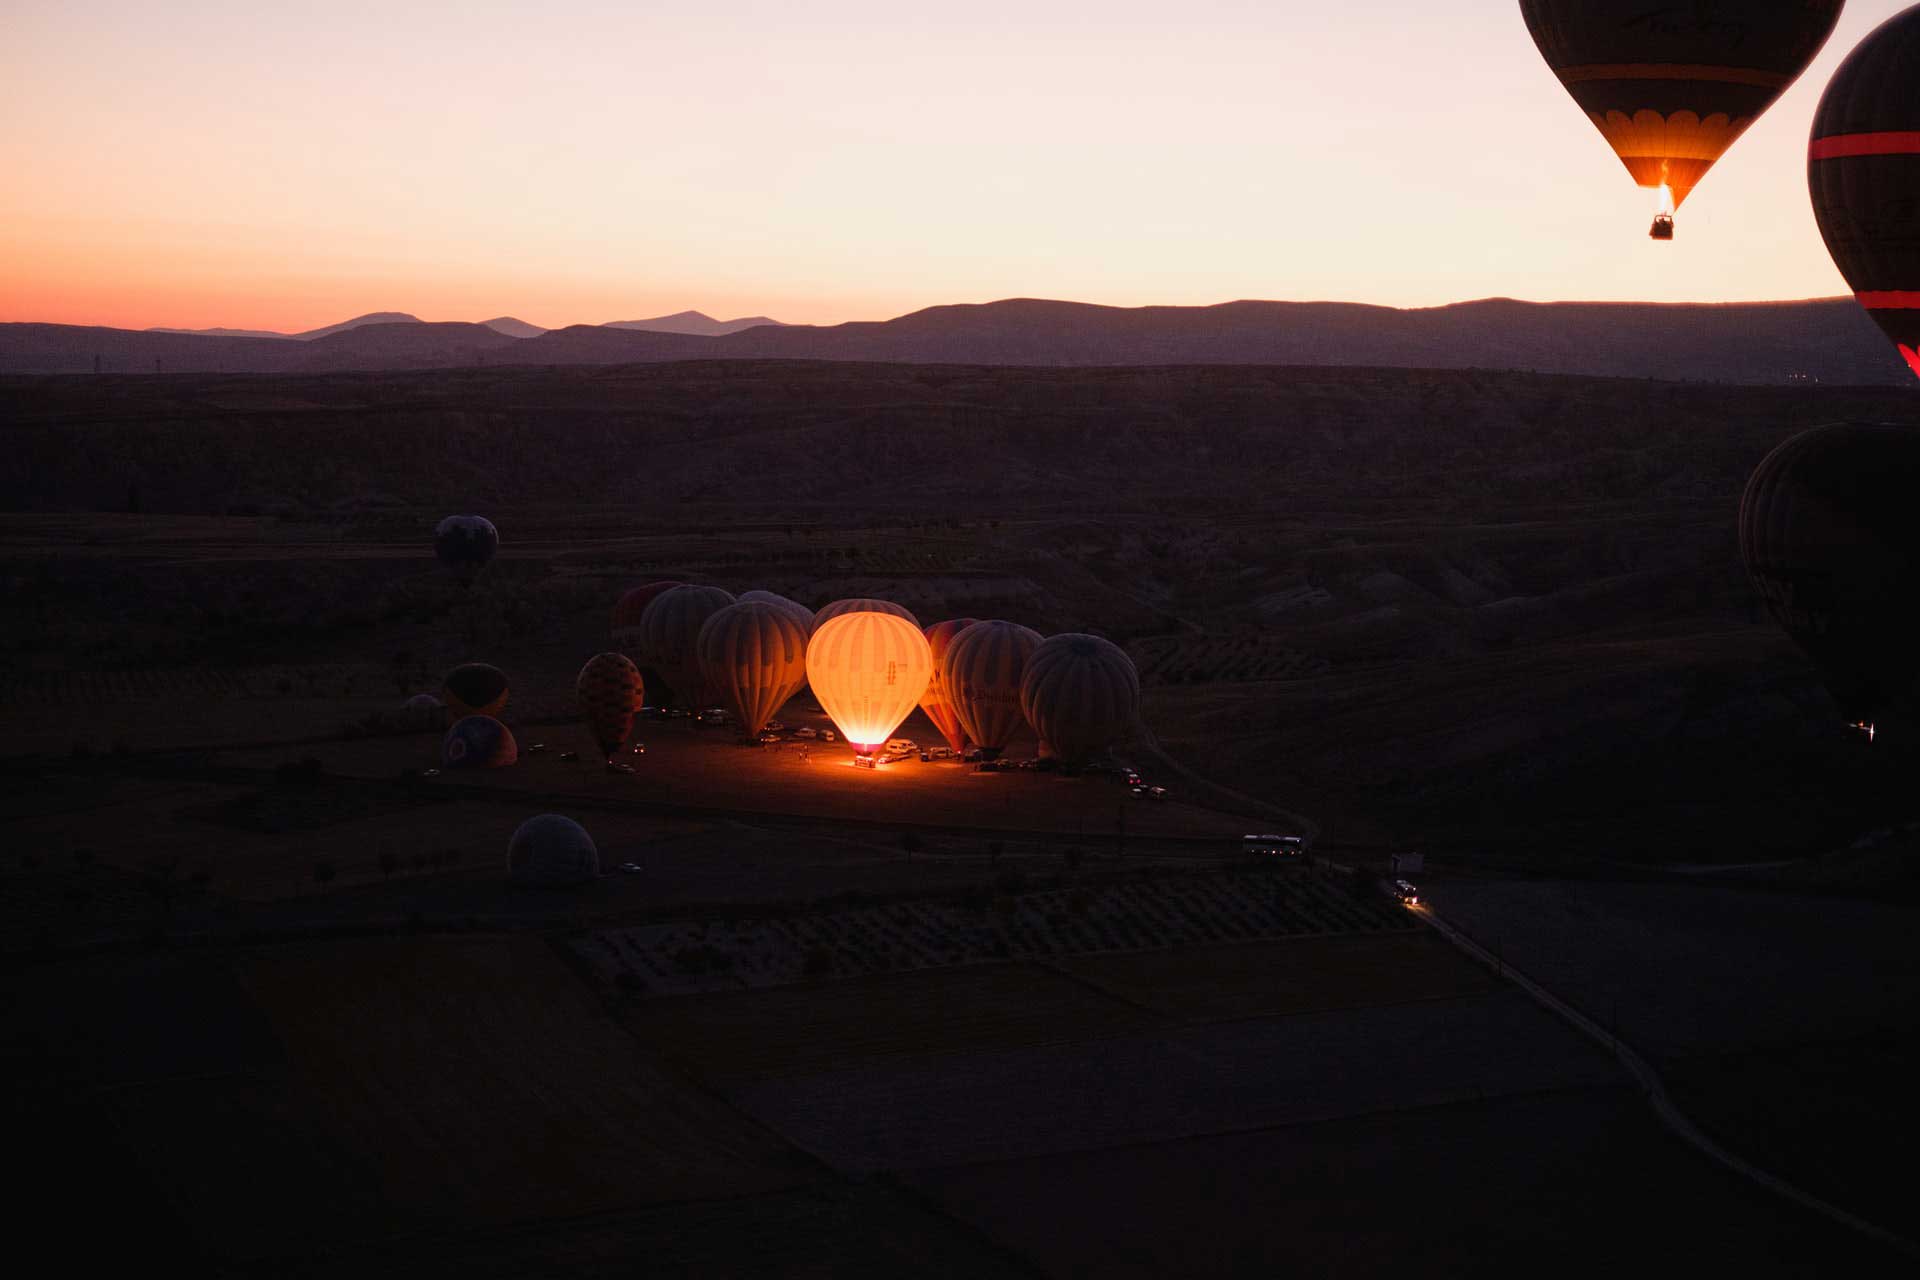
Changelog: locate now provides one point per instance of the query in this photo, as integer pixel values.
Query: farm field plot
(431, 1085)
(739, 1037)
(1130, 915)
(1585, 1178)
(1138, 1087)
(1293, 975)
(1701, 969)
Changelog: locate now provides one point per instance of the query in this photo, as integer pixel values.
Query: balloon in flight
(610, 691)
(475, 689)
(753, 655)
(1082, 695)
(1863, 173)
(868, 670)
(1828, 533)
(982, 667)
(465, 544)
(1671, 86)
(936, 701)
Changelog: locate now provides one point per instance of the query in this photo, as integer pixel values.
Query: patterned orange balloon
(610, 692)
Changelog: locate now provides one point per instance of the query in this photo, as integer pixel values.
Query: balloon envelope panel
(552, 852)
(478, 742)
(868, 670)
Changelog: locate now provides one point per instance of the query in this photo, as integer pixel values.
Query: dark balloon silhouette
(478, 742)
(1863, 173)
(1672, 86)
(1828, 534)
(466, 544)
(981, 667)
(753, 655)
(610, 691)
(1081, 694)
(552, 852)
(475, 689)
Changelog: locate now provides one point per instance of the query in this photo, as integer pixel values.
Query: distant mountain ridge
(697, 323)
(1828, 340)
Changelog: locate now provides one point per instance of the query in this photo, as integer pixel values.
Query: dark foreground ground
(273, 1008)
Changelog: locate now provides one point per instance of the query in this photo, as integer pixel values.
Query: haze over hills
(1828, 340)
(697, 323)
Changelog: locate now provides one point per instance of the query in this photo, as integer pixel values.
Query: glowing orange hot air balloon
(868, 670)
(1671, 86)
(610, 691)
(936, 701)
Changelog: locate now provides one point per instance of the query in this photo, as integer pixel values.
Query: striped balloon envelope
(610, 691)
(1672, 86)
(1863, 174)
(629, 609)
(754, 657)
(982, 668)
(936, 701)
(669, 638)
(798, 610)
(864, 604)
(868, 670)
(1082, 695)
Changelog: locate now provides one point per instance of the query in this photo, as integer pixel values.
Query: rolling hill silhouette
(1826, 340)
(697, 323)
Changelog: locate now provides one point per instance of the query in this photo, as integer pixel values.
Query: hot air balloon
(670, 633)
(1828, 534)
(1863, 172)
(475, 689)
(753, 655)
(610, 692)
(552, 852)
(982, 669)
(794, 607)
(868, 670)
(478, 742)
(1670, 86)
(1081, 693)
(424, 710)
(936, 701)
(627, 612)
(864, 604)
(465, 544)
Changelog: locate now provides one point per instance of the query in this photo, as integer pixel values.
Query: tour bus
(1270, 846)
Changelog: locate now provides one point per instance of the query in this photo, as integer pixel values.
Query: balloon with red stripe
(1863, 173)
(1672, 86)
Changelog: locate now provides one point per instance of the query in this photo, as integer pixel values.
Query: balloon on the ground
(864, 604)
(1672, 86)
(478, 742)
(1828, 533)
(982, 669)
(465, 544)
(798, 610)
(1863, 173)
(1082, 695)
(753, 655)
(629, 609)
(669, 637)
(423, 709)
(936, 701)
(475, 689)
(552, 852)
(610, 692)
(868, 670)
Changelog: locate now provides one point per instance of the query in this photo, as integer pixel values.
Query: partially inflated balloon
(465, 543)
(1827, 530)
(669, 637)
(629, 609)
(1671, 85)
(864, 604)
(478, 742)
(475, 689)
(552, 852)
(936, 701)
(1082, 695)
(754, 657)
(868, 670)
(1863, 172)
(982, 668)
(610, 692)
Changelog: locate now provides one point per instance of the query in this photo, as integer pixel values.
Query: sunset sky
(199, 164)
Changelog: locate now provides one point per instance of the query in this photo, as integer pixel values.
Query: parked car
(1157, 793)
(631, 868)
(826, 735)
(902, 744)
(1406, 893)
(767, 738)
